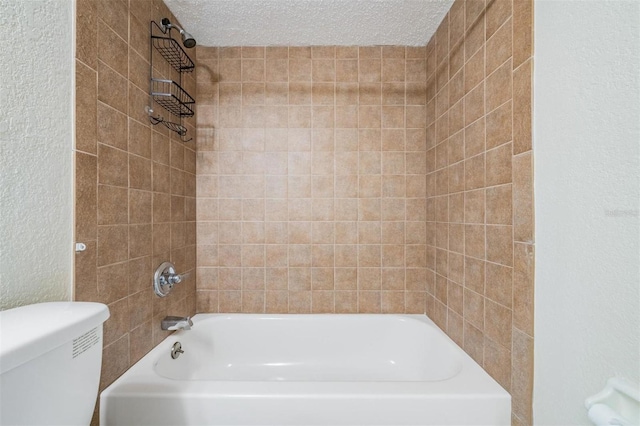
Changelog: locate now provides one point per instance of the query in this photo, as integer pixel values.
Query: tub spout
(176, 323)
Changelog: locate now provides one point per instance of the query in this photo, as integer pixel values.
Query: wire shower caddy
(167, 93)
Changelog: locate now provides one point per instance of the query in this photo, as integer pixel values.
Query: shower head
(187, 39)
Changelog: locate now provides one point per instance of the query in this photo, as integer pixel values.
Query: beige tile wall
(311, 179)
(479, 188)
(135, 183)
(329, 179)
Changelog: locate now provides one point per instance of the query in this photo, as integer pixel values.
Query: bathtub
(246, 369)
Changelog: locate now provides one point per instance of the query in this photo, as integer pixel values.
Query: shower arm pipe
(166, 26)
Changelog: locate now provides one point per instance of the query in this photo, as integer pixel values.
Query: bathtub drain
(176, 350)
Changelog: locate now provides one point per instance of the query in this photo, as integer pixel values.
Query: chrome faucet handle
(165, 278)
(177, 278)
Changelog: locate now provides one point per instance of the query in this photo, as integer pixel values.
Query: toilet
(50, 360)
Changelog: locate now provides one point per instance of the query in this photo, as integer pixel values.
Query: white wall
(587, 184)
(36, 141)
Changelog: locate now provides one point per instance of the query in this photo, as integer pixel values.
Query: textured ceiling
(310, 22)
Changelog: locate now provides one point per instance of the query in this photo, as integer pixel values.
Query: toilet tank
(50, 359)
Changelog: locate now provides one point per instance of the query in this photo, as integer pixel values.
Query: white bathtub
(307, 370)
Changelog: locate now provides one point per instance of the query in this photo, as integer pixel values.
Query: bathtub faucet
(176, 323)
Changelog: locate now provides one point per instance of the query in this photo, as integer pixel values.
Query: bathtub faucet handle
(165, 277)
(177, 278)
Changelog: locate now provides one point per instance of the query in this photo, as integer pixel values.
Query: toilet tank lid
(29, 331)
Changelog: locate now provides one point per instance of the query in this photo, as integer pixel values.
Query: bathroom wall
(480, 241)
(135, 183)
(587, 133)
(36, 131)
(311, 179)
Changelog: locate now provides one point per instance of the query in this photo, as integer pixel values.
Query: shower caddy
(167, 93)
